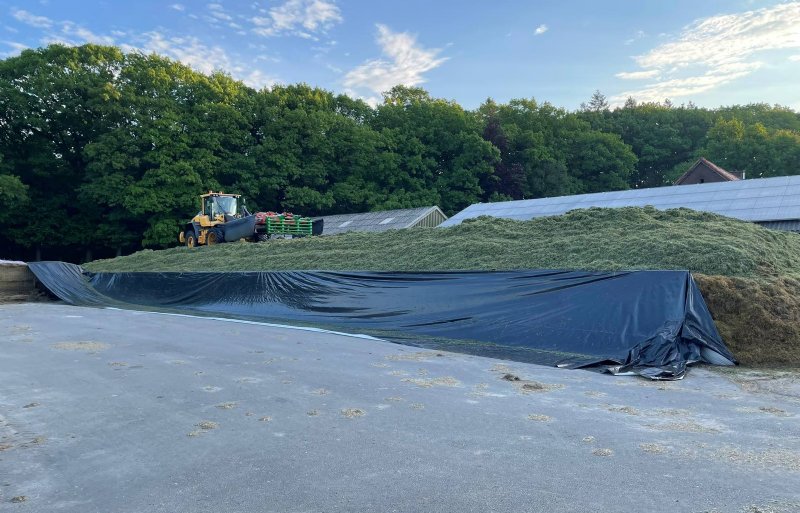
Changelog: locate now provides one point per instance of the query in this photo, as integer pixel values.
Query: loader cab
(220, 207)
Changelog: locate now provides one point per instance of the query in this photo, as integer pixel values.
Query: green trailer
(273, 225)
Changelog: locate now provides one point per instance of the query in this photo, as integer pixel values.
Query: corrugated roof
(376, 221)
(786, 226)
(763, 199)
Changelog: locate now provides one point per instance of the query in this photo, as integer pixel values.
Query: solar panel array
(763, 199)
(374, 221)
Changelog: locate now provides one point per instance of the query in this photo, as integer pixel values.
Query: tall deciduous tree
(53, 102)
(555, 151)
(753, 148)
(437, 155)
(314, 151)
(179, 133)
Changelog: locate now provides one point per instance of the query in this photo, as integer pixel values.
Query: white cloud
(258, 79)
(84, 35)
(541, 29)
(221, 16)
(31, 19)
(216, 13)
(298, 17)
(204, 58)
(695, 84)
(189, 50)
(178, 7)
(638, 75)
(794, 58)
(16, 48)
(715, 51)
(407, 62)
(639, 34)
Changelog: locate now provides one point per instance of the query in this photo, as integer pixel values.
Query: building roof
(786, 226)
(762, 199)
(377, 221)
(702, 161)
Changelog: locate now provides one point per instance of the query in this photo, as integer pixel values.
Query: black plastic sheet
(653, 323)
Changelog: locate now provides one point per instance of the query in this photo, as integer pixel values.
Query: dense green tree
(753, 148)
(556, 151)
(53, 101)
(599, 161)
(668, 139)
(508, 180)
(436, 153)
(597, 103)
(179, 133)
(13, 198)
(771, 116)
(314, 151)
(660, 136)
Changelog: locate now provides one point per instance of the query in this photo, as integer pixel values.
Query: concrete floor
(105, 410)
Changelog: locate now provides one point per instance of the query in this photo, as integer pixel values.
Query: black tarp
(652, 323)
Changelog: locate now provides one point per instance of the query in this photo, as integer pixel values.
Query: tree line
(104, 152)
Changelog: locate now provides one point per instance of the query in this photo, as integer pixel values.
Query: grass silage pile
(748, 274)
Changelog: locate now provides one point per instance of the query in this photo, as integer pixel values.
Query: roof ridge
(717, 169)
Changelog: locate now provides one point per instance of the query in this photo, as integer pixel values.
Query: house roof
(725, 175)
(377, 221)
(762, 199)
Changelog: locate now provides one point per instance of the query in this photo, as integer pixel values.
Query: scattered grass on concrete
(227, 406)
(444, 381)
(352, 413)
(539, 417)
(653, 448)
(90, 346)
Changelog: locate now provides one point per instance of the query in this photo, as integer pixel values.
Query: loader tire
(190, 239)
(214, 237)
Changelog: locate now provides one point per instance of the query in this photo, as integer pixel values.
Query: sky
(710, 52)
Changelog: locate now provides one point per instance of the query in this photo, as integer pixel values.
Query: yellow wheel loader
(224, 218)
(221, 219)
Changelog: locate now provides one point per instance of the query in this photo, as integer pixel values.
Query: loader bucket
(317, 226)
(239, 228)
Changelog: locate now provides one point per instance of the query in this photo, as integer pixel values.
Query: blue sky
(710, 52)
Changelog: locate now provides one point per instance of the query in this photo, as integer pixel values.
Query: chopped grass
(590, 239)
(758, 319)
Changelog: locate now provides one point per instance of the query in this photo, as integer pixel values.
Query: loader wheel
(213, 237)
(190, 238)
